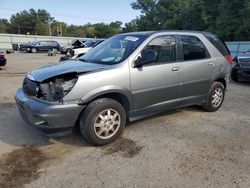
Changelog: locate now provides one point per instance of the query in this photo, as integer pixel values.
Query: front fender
(106, 90)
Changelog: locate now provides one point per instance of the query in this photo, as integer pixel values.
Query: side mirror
(147, 56)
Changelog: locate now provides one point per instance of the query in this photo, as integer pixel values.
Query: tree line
(230, 19)
(40, 22)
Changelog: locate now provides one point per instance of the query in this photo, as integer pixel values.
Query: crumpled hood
(70, 66)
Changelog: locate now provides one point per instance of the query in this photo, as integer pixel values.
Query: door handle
(211, 64)
(176, 68)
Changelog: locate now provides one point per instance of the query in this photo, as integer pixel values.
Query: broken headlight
(55, 89)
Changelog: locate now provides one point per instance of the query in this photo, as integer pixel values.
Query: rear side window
(193, 48)
(219, 44)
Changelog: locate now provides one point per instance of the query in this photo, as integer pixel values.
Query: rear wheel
(33, 50)
(102, 121)
(215, 97)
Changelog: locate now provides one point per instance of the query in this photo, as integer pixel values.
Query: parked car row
(50, 45)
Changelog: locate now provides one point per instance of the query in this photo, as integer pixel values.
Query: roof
(166, 31)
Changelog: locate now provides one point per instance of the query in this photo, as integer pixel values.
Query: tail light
(1, 55)
(229, 59)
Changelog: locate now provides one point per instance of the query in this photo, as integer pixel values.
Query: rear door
(50, 45)
(43, 46)
(196, 68)
(158, 81)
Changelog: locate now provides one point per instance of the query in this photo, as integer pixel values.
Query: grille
(244, 61)
(30, 87)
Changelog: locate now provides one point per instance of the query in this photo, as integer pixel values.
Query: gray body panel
(149, 89)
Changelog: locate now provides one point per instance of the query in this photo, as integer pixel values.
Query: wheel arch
(123, 96)
(221, 79)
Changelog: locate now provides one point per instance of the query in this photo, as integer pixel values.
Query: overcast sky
(75, 11)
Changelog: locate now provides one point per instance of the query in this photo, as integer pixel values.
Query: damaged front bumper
(47, 116)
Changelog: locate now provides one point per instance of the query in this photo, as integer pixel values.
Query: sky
(77, 12)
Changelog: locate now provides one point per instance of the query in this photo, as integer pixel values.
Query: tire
(234, 76)
(215, 97)
(95, 125)
(33, 50)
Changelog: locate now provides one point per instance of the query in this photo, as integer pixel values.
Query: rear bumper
(3, 62)
(48, 117)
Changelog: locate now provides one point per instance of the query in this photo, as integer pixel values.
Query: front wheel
(215, 97)
(102, 121)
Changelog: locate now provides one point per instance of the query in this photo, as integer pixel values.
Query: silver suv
(125, 78)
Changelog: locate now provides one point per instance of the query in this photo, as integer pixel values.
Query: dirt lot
(181, 148)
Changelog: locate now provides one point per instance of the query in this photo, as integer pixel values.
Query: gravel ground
(182, 148)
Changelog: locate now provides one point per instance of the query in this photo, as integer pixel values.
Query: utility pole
(61, 30)
(36, 23)
(18, 29)
(49, 23)
(49, 28)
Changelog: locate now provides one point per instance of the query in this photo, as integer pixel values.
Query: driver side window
(165, 48)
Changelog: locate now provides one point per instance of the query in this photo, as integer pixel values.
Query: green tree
(231, 22)
(33, 22)
(228, 18)
(130, 26)
(3, 25)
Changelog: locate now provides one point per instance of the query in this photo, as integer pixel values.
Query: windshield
(34, 43)
(114, 50)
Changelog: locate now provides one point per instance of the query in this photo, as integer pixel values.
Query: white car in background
(81, 50)
(88, 44)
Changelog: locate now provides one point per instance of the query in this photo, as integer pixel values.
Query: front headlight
(55, 89)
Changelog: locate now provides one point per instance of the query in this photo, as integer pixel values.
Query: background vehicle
(241, 56)
(241, 69)
(238, 48)
(40, 46)
(3, 60)
(88, 44)
(75, 44)
(127, 77)
(82, 49)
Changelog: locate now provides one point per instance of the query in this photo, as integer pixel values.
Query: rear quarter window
(218, 44)
(193, 48)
